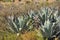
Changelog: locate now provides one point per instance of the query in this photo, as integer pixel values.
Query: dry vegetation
(8, 8)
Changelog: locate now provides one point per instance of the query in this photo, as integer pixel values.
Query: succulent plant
(48, 20)
(18, 24)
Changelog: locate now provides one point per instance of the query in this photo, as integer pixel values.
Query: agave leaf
(21, 20)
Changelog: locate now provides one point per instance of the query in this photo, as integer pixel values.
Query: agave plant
(48, 20)
(20, 24)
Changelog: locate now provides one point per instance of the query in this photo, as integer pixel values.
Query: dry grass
(28, 36)
(31, 35)
(10, 8)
